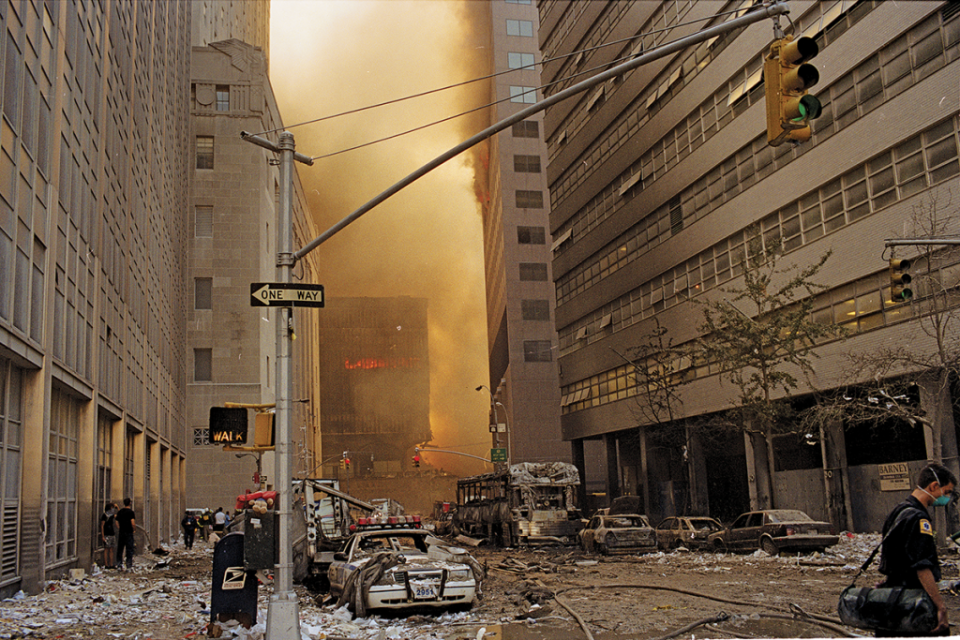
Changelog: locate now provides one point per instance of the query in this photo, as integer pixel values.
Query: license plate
(424, 590)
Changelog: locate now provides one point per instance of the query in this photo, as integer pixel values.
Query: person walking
(219, 521)
(189, 526)
(126, 524)
(908, 555)
(108, 534)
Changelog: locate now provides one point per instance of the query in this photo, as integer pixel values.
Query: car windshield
(787, 515)
(704, 524)
(391, 542)
(621, 522)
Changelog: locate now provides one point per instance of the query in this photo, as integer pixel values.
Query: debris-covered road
(640, 597)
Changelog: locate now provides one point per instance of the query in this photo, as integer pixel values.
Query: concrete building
(232, 243)
(374, 369)
(661, 177)
(93, 195)
(523, 385)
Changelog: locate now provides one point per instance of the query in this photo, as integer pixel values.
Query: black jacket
(910, 547)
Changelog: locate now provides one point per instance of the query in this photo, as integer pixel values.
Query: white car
(400, 568)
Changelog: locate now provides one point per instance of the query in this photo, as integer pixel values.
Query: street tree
(761, 338)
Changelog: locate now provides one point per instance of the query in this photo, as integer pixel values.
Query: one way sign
(281, 294)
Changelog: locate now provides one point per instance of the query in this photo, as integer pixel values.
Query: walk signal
(786, 77)
(899, 278)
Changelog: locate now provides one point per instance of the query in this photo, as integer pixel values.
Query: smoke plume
(328, 57)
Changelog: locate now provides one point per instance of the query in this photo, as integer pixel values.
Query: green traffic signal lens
(810, 107)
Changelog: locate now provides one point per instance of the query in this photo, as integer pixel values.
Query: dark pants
(125, 541)
(188, 538)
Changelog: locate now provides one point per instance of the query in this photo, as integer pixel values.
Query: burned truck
(526, 504)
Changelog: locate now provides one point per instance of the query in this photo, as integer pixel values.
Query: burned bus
(528, 503)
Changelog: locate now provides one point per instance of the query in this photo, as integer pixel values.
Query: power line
(489, 77)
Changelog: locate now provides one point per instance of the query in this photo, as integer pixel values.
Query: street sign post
(282, 294)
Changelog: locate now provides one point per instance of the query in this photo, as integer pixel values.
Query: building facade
(522, 341)
(232, 243)
(93, 189)
(661, 178)
(375, 384)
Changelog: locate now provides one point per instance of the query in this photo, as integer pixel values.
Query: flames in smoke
(333, 56)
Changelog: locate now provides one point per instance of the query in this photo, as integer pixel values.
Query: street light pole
(283, 614)
(496, 420)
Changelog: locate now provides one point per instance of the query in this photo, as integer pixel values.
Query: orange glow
(381, 363)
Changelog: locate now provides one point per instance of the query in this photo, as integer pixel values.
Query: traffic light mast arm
(755, 14)
(455, 453)
(920, 242)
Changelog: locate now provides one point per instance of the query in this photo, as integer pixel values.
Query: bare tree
(761, 338)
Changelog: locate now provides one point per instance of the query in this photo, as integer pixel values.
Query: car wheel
(719, 546)
(769, 546)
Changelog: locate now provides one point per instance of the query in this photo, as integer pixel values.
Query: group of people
(116, 533)
(216, 521)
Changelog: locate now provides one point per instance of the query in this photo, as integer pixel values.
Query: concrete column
(88, 514)
(647, 492)
(579, 461)
(140, 490)
(697, 469)
(36, 390)
(154, 492)
(613, 466)
(758, 478)
(836, 477)
(940, 438)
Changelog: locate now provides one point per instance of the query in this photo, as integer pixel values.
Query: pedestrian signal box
(228, 425)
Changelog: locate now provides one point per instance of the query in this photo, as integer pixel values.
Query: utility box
(261, 545)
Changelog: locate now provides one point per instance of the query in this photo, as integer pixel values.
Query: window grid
(529, 199)
(531, 235)
(204, 152)
(712, 115)
(725, 181)
(520, 60)
(521, 28)
(526, 129)
(525, 95)
(887, 178)
(860, 306)
(526, 164)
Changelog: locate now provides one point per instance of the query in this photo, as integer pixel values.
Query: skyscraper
(523, 385)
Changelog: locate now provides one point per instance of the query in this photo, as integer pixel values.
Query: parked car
(622, 533)
(410, 570)
(775, 530)
(686, 531)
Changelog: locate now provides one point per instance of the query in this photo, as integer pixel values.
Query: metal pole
(283, 616)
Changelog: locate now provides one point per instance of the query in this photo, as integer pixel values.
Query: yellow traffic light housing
(786, 77)
(899, 279)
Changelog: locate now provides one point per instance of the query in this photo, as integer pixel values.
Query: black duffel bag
(899, 610)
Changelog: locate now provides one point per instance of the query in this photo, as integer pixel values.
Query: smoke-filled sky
(331, 56)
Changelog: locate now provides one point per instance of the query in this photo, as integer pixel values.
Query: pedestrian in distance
(189, 526)
(108, 534)
(908, 555)
(219, 521)
(126, 524)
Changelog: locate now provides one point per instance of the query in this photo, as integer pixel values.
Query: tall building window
(519, 1)
(529, 199)
(201, 436)
(531, 235)
(520, 60)
(204, 152)
(537, 351)
(526, 95)
(203, 365)
(523, 28)
(526, 164)
(62, 491)
(203, 224)
(526, 129)
(533, 271)
(535, 309)
(203, 293)
(223, 97)
(11, 428)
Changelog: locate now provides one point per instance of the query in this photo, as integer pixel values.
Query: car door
(666, 533)
(739, 532)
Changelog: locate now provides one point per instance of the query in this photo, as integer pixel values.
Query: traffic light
(343, 463)
(346, 463)
(264, 429)
(787, 76)
(899, 278)
(416, 461)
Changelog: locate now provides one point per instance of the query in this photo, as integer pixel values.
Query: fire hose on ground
(796, 613)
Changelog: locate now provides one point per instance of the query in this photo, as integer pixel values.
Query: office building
(232, 243)
(94, 193)
(374, 384)
(662, 176)
(523, 385)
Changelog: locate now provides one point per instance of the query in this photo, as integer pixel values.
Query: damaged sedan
(621, 533)
(398, 565)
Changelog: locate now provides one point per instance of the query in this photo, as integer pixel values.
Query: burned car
(692, 532)
(621, 533)
(397, 565)
(775, 530)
